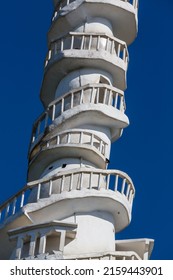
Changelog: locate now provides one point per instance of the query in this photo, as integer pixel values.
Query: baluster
(116, 182)
(32, 245)
(126, 60)
(0, 215)
(119, 50)
(54, 15)
(107, 44)
(19, 248)
(99, 181)
(47, 144)
(130, 196)
(108, 181)
(90, 42)
(7, 210)
(105, 95)
(81, 97)
(101, 146)
(128, 191)
(38, 191)
(135, 3)
(90, 180)
(71, 182)
(69, 137)
(22, 199)
(98, 43)
(124, 54)
(112, 47)
(62, 184)
(109, 99)
(50, 187)
(33, 137)
(72, 100)
(49, 54)
(62, 105)
(92, 92)
(81, 181)
(72, 42)
(97, 96)
(81, 137)
(53, 112)
(82, 42)
(121, 103)
(14, 206)
(62, 45)
(42, 245)
(123, 185)
(57, 140)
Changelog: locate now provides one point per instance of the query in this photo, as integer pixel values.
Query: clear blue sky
(145, 149)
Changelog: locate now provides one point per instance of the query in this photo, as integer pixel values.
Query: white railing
(91, 94)
(61, 4)
(88, 41)
(117, 255)
(73, 137)
(32, 241)
(96, 179)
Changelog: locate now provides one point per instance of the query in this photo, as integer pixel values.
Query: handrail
(66, 138)
(120, 255)
(62, 3)
(99, 179)
(88, 41)
(90, 93)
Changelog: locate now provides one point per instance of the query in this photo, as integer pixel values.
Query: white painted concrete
(72, 206)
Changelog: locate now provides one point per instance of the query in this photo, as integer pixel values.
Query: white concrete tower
(73, 206)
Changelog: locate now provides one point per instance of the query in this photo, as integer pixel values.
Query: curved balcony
(82, 50)
(101, 190)
(73, 143)
(100, 100)
(122, 13)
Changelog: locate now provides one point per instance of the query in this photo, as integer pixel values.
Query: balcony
(60, 4)
(103, 104)
(122, 13)
(35, 241)
(73, 143)
(101, 190)
(82, 50)
(143, 246)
